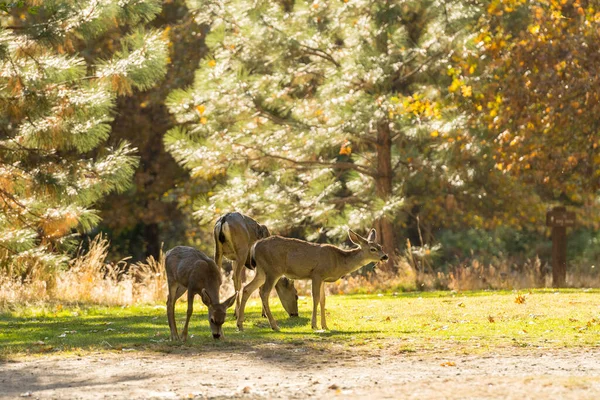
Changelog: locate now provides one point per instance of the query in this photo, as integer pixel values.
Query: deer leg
(189, 314)
(323, 322)
(264, 312)
(258, 280)
(218, 253)
(237, 285)
(265, 291)
(175, 292)
(316, 293)
(238, 277)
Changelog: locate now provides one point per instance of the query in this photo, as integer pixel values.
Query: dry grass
(90, 279)
(470, 275)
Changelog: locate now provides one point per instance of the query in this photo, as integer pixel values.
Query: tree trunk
(152, 240)
(383, 185)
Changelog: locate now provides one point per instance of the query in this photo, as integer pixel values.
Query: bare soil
(295, 372)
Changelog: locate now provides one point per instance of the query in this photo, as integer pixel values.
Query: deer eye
(373, 249)
(212, 321)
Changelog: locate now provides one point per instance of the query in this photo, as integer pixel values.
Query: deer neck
(350, 261)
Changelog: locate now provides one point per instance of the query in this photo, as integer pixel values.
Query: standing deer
(234, 236)
(190, 269)
(276, 256)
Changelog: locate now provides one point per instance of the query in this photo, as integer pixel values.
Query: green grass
(404, 323)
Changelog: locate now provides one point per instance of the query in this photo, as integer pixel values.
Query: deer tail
(253, 257)
(219, 235)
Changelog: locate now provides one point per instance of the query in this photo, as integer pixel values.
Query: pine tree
(57, 104)
(319, 113)
(152, 213)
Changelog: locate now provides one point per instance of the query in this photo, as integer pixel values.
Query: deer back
(298, 259)
(237, 233)
(192, 268)
(294, 258)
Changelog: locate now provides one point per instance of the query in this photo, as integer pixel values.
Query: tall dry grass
(468, 275)
(90, 279)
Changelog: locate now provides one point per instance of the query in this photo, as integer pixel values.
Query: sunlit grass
(403, 323)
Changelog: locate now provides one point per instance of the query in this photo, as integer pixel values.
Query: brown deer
(190, 269)
(276, 256)
(235, 234)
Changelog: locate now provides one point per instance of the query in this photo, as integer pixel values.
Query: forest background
(450, 126)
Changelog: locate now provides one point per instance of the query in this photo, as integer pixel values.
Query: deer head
(370, 250)
(217, 313)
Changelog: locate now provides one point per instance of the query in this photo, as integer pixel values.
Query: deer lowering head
(217, 313)
(235, 234)
(191, 270)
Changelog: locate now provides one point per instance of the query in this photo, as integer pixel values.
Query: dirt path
(277, 371)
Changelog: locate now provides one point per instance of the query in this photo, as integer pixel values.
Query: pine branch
(347, 200)
(265, 112)
(310, 50)
(399, 163)
(321, 53)
(341, 165)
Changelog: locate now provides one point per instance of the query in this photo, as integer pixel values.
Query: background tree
(317, 113)
(532, 73)
(58, 102)
(157, 209)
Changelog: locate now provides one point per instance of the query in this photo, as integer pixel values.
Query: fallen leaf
(246, 389)
(448, 364)
(491, 319)
(520, 299)
(333, 387)
(461, 304)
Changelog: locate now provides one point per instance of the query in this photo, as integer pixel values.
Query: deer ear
(354, 237)
(372, 236)
(230, 301)
(264, 231)
(206, 298)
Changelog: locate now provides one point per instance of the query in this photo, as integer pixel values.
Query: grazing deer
(276, 256)
(190, 269)
(234, 236)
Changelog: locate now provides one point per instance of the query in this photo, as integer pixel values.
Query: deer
(193, 271)
(235, 234)
(277, 256)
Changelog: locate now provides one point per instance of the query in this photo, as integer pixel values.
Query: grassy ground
(466, 323)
